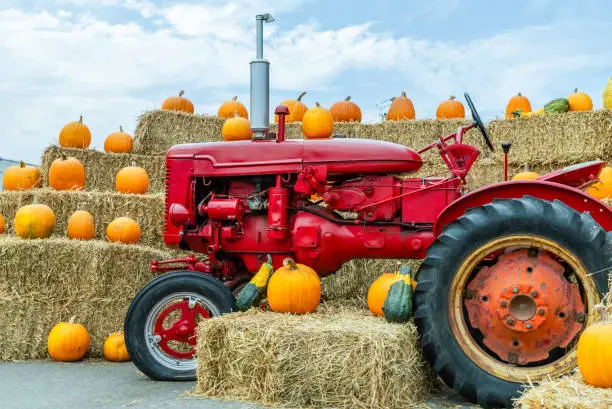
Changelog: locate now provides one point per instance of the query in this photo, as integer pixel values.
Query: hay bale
(573, 137)
(158, 130)
(346, 359)
(570, 392)
(101, 167)
(43, 282)
(147, 210)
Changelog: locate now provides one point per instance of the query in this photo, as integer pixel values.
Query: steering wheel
(478, 122)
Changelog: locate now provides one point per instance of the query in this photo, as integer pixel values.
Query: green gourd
(398, 304)
(255, 289)
(557, 106)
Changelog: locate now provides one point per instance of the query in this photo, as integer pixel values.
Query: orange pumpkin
(345, 111)
(593, 353)
(579, 101)
(317, 123)
(115, 349)
(451, 108)
(297, 109)
(178, 103)
(81, 226)
(68, 341)
(377, 293)
(228, 108)
(401, 108)
(132, 179)
(294, 288)
(1, 224)
(118, 142)
(66, 174)
(34, 221)
(123, 230)
(21, 177)
(603, 188)
(517, 103)
(236, 129)
(75, 135)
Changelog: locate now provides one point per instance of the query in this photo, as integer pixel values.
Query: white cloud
(67, 62)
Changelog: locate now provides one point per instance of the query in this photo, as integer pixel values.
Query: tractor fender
(572, 197)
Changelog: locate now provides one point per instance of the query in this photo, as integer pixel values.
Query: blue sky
(110, 60)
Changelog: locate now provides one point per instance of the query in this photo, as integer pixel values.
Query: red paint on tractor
(524, 306)
(181, 330)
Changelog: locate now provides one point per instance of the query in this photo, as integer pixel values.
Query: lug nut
(510, 321)
(580, 318)
(534, 293)
(515, 290)
(529, 326)
(541, 311)
(503, 304)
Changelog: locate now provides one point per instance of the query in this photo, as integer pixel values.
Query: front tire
(490, 244)
(161, 322)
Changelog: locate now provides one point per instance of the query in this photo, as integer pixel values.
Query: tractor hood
(290, 156)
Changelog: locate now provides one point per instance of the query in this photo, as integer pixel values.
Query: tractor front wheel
(161, 322)
(505, 292)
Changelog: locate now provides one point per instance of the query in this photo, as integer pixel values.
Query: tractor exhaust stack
(260, 85)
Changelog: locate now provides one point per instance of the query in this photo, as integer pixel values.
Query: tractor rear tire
(555, 222)
(203, 291)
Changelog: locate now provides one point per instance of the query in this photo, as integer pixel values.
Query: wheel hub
(524, 307)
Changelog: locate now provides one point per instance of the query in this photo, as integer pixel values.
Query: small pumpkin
(398, 303)
(294, 288)
(603, 188)
(1, 224)
(579, 101)
(81, 226)
(228, 108)
(378, 291)
(345, 111)
(123, 230)
(178, 103)
(401, 108)
(526, 175)
(537, 112)
(236, 129)
(21, 177)
(607, 95)
(68, 341)
(593, 353)
(119, 142)
(255, 289)
(451, 108)
(132, 179)
(518, 102)
(34, 221)
(115, 349)
(317, 123)
(67, 174)
(75, 135)
(297, 109)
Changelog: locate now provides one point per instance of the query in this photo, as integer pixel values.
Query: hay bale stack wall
(147, 210)
(346, 359)
(43, 282)
(101, 167)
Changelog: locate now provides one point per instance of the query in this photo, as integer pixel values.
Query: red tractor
(511, 271)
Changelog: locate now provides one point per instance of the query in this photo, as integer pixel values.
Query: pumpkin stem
(404, 94)
(519, 94)
(452, 97)
(71, 320)
(235, 98)
(236, 115)
(575, 90)
(348, 98)
(301, 95)
(133, 163)
(317, 104)
(81, 119)
(22, 164)
(290, 263)
(120, 128)
(181, 92)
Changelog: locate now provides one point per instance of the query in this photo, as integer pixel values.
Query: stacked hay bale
(343, 358)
